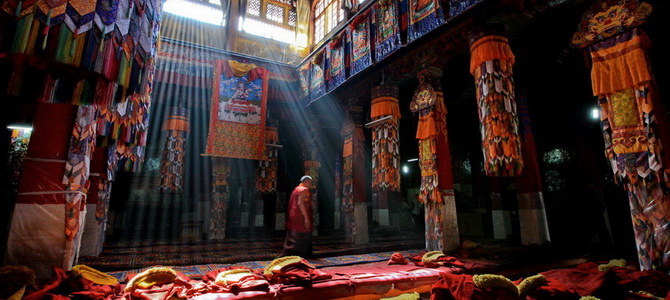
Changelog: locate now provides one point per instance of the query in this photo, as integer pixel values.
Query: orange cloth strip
(178, 123)
(384, 106)
(621, 66)
(348, 147)
(426, 127)
(489, 48)
(271, 135)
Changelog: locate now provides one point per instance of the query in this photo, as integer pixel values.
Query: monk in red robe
(299, 220)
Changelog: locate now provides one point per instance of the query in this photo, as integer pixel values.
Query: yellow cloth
(240, 69)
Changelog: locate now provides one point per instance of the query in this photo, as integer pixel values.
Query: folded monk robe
(293, 270)
(14, 280)
(240, 280)
(397, 259)
(160, 283)
(434, 259)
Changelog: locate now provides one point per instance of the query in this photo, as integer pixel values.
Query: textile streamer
(239, 109)
(77, 168)
(304, 76)
(311, 168)
(491, 64)
(423, 103)
(347, 133)
(423, 16)
(387, 28)
(385, 139)
(623, 84)
(108, 46)
(317, 77)
(266, 173)
(176, 129)
(336, 62)
(220, 176)
(361, 55)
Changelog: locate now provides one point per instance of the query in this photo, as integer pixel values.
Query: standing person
(299, 220)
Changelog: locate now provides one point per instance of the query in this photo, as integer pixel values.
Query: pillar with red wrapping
(354, 207)
(437, 183)
(633, 122)
(491, 64)
(220, 195)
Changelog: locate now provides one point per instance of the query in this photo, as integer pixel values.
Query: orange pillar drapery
(385, 139)
(491, 64)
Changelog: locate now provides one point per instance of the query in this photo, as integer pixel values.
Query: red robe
(295, 219)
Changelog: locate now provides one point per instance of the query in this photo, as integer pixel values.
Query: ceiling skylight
(195, 11)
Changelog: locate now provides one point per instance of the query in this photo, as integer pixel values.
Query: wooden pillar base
(532, 219)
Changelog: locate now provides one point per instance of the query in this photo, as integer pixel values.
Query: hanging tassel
(46, 30)
(17, 12)
(73, 48)
(130, 8)
(102, 41)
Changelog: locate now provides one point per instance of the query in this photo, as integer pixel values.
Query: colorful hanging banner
(175, 129)
(347, 133)
(491, 64)
(607, 18)
(361, 55)
(220, 195)
(385, 139)
(336, 62)
(423, 16)
(387, 28)
(423, 103)
(266, 173)
(239, 103)
(304, 76)
(317, 77)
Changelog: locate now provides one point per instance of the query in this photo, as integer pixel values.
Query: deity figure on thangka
(240, 106)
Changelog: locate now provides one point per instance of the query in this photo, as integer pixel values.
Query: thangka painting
(336, 68)
(237, 120)
(360, 43)
(423, 17)
(387, 29)
(317, 81)
(303, 74)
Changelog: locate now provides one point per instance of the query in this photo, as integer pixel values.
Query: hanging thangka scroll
(176, 129)
(491, 64)
(317, 77)
(632, 119)
(304, 76)
(385, 139)
(423, 103)
(361, 55)
(336, 62)
(423, 16)
(266, 173)
(387, 28)
(237, 121)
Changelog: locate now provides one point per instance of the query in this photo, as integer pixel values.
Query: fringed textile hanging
(623, 84)
(312, 169)
(304, 76)
(423, 16)
(317, 77)
(361, 55)
(266, 173)
(633, 123)
(77, 168)
(220, 176)
(491, 64)
(18, 147)
(175, 129)
(385, 139)
(337, 70)
(387, 28)
(104, 194)
(423, 103)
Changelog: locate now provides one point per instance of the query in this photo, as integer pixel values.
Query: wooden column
(354, 206)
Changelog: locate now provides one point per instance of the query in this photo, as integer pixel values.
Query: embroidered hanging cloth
(387, 28)
(361, 55)
(491, 64)
(304, 76)
(266, 173)
(423, 103)
(422, 17)
(175, 130)
(336, 62)
(317, 79)
(385, 139)
(237, 121)
(347, 133)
